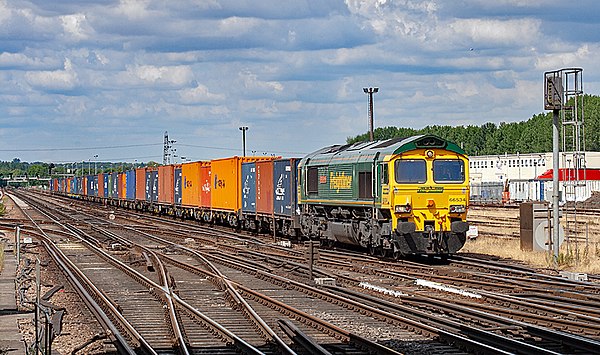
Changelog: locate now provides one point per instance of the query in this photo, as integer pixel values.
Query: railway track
(282, 346)
(249, 260)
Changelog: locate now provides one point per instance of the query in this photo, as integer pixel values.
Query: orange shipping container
(68, 185)
(140, 184)
(264, 187)
(121, 185)
(166, 184)
(84, 189)
(190, 180)
(226, 182)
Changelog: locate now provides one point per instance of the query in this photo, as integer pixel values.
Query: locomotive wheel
(397, 255)
(376, 250)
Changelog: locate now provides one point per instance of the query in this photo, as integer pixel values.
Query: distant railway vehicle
(394, 197)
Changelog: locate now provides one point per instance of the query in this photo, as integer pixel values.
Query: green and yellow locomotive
(395, 197)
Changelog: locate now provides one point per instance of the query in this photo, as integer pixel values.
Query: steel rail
(333, 298)
(242, 344)
(95, 246)
(170, 296)
(81, 284)
(236, 297)
(331, 329)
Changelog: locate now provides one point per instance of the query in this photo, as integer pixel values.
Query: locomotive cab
(428, 197)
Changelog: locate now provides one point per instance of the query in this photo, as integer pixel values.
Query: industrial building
(528, 176)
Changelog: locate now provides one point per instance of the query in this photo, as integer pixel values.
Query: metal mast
(167, 149)
(370, 92)
(563, 94)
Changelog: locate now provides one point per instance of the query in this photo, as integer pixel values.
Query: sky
(107, 78)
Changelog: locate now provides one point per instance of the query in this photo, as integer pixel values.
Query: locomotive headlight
(430, 154)
(403, 208)
(458, 209)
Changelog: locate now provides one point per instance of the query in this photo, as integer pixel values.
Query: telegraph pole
(370, 92)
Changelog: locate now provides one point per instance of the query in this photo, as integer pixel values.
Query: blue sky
(105, 77)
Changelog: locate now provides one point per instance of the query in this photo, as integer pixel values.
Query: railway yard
(114, 281)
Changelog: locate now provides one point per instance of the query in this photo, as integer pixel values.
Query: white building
(491, 175)
(498, 168)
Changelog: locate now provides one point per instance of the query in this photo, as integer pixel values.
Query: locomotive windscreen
(410, 171)
(448, 171)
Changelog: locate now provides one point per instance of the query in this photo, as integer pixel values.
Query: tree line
(18, 168)
(531, 136)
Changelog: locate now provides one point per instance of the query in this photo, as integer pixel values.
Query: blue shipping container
(92, 185)
(80, 185)
(130, 184)
(115, 185)
(285, 187)
(249, 187)
(106, 177)
(177, 186)
(152, 185)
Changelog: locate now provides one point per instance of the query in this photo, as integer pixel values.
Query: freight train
(395, 197)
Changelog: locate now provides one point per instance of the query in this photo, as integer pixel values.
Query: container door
(248, 187)
(177, 186)
(154, 180)
(148, 185)
(282, 192)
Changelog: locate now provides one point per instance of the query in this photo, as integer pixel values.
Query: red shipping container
(166, 184)
(101, 192)
(264, 187)
(140, 184)
(205, 181)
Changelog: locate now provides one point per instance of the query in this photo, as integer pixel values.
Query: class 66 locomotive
(397, 197)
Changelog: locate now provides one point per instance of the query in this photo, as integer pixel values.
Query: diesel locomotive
(395, 197)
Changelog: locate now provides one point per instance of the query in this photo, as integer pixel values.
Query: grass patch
(587, 261)
(2, 208)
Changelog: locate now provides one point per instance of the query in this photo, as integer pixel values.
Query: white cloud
(150, 74)
(234, 26)
(490, 32)
(54, 80)
(199, 94)
(75, 26)
(21, 60)
(407, 17)
(555, 61)
(251, 81)
(133, 9)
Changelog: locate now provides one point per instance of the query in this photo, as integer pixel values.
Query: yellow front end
(428, 196)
